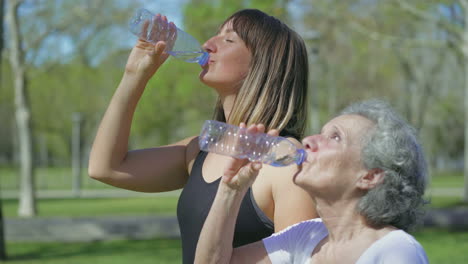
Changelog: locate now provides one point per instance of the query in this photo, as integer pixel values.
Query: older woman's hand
(240, 173)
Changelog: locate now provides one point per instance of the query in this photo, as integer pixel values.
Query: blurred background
(61, 61)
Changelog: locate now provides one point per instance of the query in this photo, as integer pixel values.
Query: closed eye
(336, 137)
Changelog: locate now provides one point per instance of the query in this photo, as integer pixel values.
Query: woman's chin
(297, 175)
(202, 75)
(206, 80)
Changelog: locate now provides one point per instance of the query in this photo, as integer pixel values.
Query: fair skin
(332, 173)
(168, 167)
(228, 63)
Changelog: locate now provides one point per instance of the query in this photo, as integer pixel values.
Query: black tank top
(195, 202)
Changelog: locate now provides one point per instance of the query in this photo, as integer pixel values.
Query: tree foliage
(370, 49)
(359, 49)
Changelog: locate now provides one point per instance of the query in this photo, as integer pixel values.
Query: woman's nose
(209, 46)
(311, 143)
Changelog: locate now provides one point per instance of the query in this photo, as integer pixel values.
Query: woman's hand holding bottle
(240, 174)
(146, 58)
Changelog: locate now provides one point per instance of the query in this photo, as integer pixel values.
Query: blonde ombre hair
(274, 92)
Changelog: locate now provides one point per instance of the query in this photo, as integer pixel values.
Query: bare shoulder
(281, 178)
(291, 203)
(191, 150)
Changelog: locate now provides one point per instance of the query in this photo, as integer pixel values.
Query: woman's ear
(370, 179)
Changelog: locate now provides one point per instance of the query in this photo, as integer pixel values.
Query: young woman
(258, 66)
(366, 173)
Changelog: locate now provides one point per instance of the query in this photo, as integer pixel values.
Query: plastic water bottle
(230, 140)
(185, 47)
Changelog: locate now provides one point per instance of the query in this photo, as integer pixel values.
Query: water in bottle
(186, 47)
(230, 140)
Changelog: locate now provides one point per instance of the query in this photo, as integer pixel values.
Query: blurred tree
(347, 66)
(3, 255)
(40, 48)
(81, 35)
(453, 19)
(392, 54)
(6, 105)
(57, 34)
(27, 204)
(202, 18)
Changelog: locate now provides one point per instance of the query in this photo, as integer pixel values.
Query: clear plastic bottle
(186, 47)
(230, 140)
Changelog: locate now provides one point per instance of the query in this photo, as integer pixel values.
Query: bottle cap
(204, 58)
(302, 155)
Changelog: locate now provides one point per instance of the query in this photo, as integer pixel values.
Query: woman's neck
(228, 104)
(348, 234)
(342, 220)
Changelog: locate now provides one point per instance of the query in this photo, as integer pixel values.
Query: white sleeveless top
(296, 243)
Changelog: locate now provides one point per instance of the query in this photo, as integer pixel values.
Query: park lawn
(162, 205)
(442, 246)
(102, 252)
(60, 178)
(447, 180)
(446, 202)
(51, 178)
(151, 204)
(98, 206)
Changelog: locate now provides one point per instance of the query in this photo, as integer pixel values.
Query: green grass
(61, 179)
(446, 202)
(103, 252)
(53, 178)
(443, 246)
(98, 207)
(447, 180)
(160, 204)
(137, 206)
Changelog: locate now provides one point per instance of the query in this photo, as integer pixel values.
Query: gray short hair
(393, 147)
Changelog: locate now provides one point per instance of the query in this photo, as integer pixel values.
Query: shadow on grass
(130, 249)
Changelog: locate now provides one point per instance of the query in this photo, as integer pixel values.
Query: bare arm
(215, 241)
(148, 170)
(292, 205)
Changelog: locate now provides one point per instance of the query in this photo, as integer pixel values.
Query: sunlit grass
(446, 202)
(60, 178)
(447, 180)
(53, 178)
(98, 206)
(443, 246)
(102, 252)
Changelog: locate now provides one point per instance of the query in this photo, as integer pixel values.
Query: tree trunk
(3, 255)
(76, 154)
(464, 51)
(465, 190)
(27, 203)
(465, 64)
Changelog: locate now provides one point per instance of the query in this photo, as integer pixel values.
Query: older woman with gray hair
(366, 173)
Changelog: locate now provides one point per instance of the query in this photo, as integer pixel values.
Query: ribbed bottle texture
(186, 47)
(230, 140)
